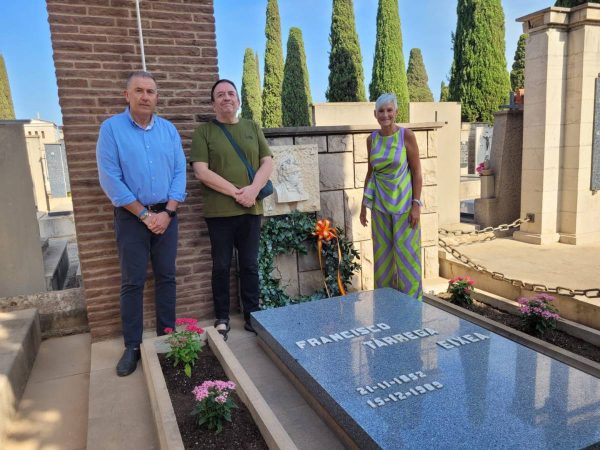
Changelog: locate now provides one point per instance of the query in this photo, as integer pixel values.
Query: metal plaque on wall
(595, 182)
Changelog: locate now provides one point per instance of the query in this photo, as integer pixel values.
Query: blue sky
(426, 24)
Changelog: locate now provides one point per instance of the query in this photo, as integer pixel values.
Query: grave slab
(396, 373)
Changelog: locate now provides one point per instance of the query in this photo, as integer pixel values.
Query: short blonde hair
(386, 98)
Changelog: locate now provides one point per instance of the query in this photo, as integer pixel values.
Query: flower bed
(514, 322)
(241, 432)
(168, 432)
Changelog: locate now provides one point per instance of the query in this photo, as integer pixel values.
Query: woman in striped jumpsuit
(393, 194)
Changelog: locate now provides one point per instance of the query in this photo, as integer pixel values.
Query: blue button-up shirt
(147, 165)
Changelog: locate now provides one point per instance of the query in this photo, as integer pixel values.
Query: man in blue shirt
(141, 167)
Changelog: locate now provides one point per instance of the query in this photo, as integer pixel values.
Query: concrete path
(571, 266)
(53, 411)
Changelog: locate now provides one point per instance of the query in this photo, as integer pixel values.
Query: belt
(157, 207)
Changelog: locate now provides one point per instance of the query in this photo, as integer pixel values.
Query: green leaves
(251, 95)
(293, 232)
(389, 71)
(417, 78)
(296, 98)
(7, 111)
(479, 79)
(273, 77)
(517, 75)
(184, 348)
(346, 78)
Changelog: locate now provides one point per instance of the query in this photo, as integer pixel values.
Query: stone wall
(96, 46)
(21, 265)
(342, 170)
(561, 67)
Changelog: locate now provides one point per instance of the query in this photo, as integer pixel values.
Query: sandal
(222, 327)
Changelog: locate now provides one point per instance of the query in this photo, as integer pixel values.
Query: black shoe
(128, 362)
(248, 327)
(222, 326)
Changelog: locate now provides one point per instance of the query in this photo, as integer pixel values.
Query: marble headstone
(396, 373)
(295, 180)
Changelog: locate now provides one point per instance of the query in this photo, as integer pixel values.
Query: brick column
(96, 45)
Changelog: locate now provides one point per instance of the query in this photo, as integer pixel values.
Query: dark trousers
(137, 244)
(243, 232)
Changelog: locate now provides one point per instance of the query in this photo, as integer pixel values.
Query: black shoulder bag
(268, 188)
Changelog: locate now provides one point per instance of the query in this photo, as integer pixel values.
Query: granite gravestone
(395, 373)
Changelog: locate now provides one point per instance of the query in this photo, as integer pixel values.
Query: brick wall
(95, 45)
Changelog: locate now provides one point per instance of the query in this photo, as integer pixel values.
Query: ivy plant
(289, 233)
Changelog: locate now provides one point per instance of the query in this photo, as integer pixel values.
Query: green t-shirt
(210, 145)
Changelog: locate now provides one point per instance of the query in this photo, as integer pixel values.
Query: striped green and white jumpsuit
(388, 194)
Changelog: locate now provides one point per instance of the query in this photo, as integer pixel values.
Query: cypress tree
(346, 78)
(273, 76)
(517, 75)
(389, 71)
(572, 3)
(251, 100)
(7, 111)
(444, 94)
(295, 96)
(479, 79)
(417, 78)
(258, 75)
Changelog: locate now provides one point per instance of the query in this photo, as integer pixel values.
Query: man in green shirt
(231, 208)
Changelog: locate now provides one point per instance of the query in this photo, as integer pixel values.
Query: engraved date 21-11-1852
(396, 382)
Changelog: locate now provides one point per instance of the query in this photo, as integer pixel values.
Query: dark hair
(222, 80)
(140, 74)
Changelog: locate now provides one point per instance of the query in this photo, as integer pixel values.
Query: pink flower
(221, 398)
(168, 330)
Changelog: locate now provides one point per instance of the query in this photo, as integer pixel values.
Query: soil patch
(241, 433)
(555, 337)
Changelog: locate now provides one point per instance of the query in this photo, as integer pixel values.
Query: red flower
(194, 329)
(168, 330)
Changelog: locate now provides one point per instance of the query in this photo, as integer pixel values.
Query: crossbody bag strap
(236, 147)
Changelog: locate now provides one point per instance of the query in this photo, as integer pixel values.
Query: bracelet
(418, 202)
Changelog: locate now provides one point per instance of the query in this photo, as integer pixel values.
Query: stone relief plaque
(295, 180)
(595, 178)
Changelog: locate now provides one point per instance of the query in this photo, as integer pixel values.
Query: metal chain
(503, 227)
(535, 287)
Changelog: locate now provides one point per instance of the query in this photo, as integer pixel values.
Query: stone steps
(20, 339)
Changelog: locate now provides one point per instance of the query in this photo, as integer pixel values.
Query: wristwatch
(171, 212)
(418, 202)
(143, 215)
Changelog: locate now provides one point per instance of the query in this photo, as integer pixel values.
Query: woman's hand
(363, 216)
(415, 215)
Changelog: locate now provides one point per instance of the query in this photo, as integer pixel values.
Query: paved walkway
(571, 266)
(53, 412)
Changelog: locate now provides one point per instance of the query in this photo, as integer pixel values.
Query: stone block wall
(342, 170)
(96, 45)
